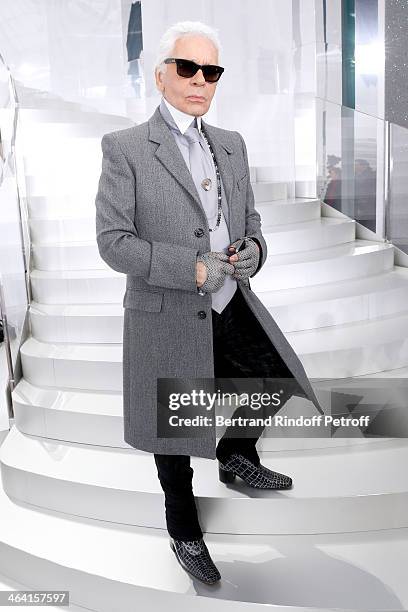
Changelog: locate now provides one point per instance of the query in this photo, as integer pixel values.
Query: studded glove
(248, 258)
(218, 266)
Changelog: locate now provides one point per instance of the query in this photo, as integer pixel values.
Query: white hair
(176, 31)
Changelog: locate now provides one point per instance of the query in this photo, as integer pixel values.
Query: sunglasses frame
(175, 60)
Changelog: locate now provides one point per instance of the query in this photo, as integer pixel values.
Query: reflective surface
(348, 142)
(397, 218)
(369, 57)
(13, 296)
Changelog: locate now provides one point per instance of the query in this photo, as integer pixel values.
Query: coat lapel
(170, 156)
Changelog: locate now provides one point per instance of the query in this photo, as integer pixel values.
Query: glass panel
(397, 217)
(13, 291)
(369, 59)
(347, 161)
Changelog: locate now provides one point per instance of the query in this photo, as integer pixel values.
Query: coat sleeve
(252, 216)
(166, 265)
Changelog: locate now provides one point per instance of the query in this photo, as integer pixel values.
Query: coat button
(199, 232)
(202, 314)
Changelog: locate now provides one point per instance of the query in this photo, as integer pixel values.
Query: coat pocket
(240, 181)
(143, 300)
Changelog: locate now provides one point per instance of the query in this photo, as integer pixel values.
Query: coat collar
(170, 156)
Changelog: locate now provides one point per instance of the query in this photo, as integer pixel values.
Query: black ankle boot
(257, 476)
(194, 557)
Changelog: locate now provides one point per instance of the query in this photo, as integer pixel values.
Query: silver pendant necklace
(206, 183)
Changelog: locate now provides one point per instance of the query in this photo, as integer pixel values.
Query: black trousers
(241, 349)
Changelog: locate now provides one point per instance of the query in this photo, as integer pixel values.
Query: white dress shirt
(182, 119)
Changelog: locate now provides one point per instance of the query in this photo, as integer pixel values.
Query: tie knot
(192, 134)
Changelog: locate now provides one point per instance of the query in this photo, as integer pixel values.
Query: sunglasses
(187, 69)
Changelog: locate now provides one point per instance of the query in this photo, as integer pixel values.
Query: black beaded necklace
(206, 183)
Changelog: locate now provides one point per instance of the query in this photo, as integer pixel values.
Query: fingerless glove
(217, 267)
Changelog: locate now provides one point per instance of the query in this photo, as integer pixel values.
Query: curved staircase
(83, 511)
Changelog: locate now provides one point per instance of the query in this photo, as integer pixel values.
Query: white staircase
(82, 510)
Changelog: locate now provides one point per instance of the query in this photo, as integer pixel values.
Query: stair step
(305, 308)
(68, 116)
(289, 238)
(353, 349)
(335, 490)
(68, 256)
(71, 227)
(77, 286)
(355, 259)
(97, 419)
(79, 323)
(339, 302)
(290, 210)
(7, 584)
(76, 366)
(304, 235)
(62, 230)
(64, 205)
(72, 140)
(339, 351)
(265, 192)
(51, 132)
(110, 568)
(53, 181)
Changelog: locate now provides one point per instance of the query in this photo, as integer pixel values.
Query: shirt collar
(182, 119)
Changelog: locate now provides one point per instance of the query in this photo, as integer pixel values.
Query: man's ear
(159, 82)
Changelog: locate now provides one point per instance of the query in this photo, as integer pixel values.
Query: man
(174, 194)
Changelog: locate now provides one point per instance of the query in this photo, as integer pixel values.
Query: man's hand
(201, 273)
(245, 261)
(211, 269)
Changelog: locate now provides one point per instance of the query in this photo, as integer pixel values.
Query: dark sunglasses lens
(211, 73)
(186, 69)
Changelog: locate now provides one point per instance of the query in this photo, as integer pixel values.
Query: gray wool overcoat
(149, 226)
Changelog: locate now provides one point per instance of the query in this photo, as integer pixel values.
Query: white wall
(255, 93)
(76, 51)
(71, 48)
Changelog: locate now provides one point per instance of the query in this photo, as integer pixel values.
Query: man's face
(179, 91)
